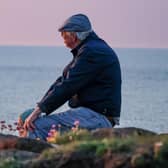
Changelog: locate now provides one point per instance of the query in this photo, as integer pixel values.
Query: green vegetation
(79, 146)
(99, 147)
(140, 148)
(85, 143)
(10, 163)
(162, 156)
(73, 136)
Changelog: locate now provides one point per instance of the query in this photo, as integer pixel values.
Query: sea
(26, 72)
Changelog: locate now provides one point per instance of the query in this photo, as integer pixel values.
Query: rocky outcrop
(17, 154)
(106, 148)
(14, 142)
(121, 132)
(80, 160)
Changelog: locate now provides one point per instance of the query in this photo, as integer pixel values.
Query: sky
(122, 23)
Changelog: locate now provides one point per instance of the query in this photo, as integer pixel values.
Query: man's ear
(75, 37)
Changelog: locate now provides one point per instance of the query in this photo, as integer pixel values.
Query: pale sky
(122, 23)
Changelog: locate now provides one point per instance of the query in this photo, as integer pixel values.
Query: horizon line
(66, 47)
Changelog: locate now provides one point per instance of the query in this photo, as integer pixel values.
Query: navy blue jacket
(93, 76)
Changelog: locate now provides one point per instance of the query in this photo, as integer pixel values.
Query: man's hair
(82, 35)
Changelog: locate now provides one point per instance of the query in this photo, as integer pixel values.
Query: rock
(7, 141)
(32, 145)
(143, 157)
(116, 160)
(122, 148)
(83, 160)
(26, 144)
(67, 160)
(120, 132)
(17, 154)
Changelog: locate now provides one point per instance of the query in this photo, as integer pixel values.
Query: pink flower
(52, 130)
(49, 134)
(4, 126)
(74, 129)
(2, 122)
(53, 126)
(59, 125)
(18, 128)
(15, 123)
(76, 123)
(10, 126)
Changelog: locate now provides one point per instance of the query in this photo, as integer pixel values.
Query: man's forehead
(65, 33)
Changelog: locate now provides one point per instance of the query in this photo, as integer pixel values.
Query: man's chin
(67, 46)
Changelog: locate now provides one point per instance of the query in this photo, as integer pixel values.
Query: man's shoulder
(91, 47)
(97, 48)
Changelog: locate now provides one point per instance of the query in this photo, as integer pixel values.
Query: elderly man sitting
(91, 83)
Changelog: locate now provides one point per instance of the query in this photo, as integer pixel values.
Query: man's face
(69, 39)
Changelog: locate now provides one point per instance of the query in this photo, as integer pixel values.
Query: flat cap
(76, 23)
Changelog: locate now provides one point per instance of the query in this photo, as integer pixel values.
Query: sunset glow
(128, 23)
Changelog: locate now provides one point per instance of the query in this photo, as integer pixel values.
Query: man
(91, 83)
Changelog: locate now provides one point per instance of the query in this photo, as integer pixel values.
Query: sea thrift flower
(59, 128)
(55, 133)
(52, 134)
(50, 139)
(74, 129)
(53, 126)
(76, 123)
(49, 134)
(2, 122)
(15, 123)
(157, 147)
(18, 128)
(9, 127)
(3, 126)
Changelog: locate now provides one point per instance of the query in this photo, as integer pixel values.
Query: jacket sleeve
(80, 75)
(74, 101)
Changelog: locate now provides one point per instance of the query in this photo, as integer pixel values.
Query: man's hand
(28, 125)
(22, 132)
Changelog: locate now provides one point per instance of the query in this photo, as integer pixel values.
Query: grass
(141, 150)
(73, 136)
(9, 163)
(162, 156)
(90, 146)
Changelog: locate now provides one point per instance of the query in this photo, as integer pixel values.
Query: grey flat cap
(76, 23)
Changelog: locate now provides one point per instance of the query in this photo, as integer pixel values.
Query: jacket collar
(92, 35)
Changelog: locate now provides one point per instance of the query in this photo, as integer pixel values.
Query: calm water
(27, 72)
